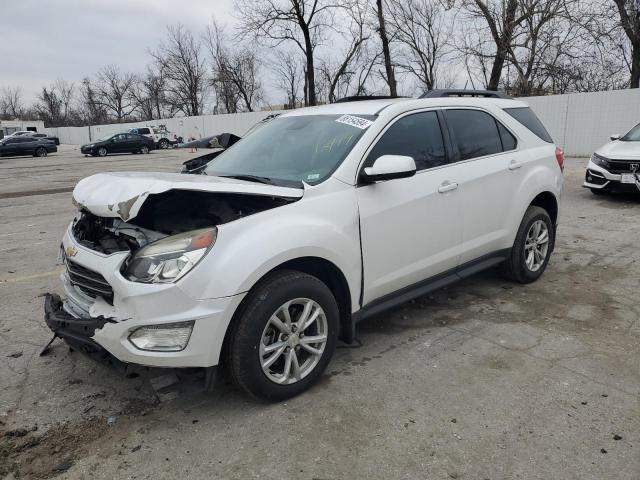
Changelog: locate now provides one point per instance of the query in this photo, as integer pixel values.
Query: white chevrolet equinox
(314, 221)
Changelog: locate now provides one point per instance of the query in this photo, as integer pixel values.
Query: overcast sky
(45, 39)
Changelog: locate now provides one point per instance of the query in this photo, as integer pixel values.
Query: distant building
(7, 127)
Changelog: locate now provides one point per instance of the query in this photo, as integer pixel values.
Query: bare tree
(91, 110)
(301, 22)
(235, 71)
(181, 59)
(115, 90)
(386, 50)
(288, 77)
(337, 75)
(54, 104)
(147, 95)
(11, 105)
(420, 28)
(501, 18)
(629, 15)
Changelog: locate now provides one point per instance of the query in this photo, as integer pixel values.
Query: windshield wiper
(250, 178)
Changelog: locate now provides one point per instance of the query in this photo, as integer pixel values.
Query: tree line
(316, 51)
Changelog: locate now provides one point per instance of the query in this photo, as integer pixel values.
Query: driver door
(118, 144)
(411, 228)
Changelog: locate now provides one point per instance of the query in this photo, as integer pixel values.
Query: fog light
(170, 337)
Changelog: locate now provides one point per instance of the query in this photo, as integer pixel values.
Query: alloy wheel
(536, 245)
(293, 341)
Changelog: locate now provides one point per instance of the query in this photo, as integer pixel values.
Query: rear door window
(526, 117)
(474, 132)
(418, 136)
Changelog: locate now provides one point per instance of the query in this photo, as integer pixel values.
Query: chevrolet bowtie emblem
(71, 251)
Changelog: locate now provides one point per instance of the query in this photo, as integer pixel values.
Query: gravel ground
(482, 380)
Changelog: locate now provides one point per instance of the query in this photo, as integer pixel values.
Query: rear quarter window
(526, 117)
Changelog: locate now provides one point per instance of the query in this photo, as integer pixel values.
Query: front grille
(90, 282)
(622, 166)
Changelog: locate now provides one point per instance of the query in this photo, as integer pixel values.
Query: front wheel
(41, 152)
(283, 336)
(144, 149)
(164, 143)
(102, 151)
(532, 248)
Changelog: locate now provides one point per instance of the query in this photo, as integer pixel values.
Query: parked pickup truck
(161, 136)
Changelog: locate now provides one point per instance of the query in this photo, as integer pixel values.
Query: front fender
(324, 226)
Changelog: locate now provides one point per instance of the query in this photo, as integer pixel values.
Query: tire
(102, 151)
(144, 149)
(40, 152)
(517, 268)
(252, 326)
(596, 191)
(163, 144)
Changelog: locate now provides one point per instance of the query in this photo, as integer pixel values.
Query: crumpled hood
(618, 150)
(121, 194)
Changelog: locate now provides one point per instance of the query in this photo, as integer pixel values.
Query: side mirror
(615, 136)
(389, 167)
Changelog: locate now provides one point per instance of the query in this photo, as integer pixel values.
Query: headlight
(171, 337)
(600, 161)
(169, 259)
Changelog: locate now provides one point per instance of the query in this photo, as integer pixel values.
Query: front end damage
(108, 313)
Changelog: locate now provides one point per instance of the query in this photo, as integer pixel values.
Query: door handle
(447, 186)
(514, 164)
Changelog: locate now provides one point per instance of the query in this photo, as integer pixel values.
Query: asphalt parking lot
(482, 380)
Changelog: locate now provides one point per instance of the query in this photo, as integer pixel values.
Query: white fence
(197, 127)
(582, 122)
(579, 122)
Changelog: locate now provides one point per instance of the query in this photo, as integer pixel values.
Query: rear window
(526, 117)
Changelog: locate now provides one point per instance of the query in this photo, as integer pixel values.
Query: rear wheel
(41, 152)
(144, 149)
(532, 247)
(284, 336)
(102, 151)
(164, 143)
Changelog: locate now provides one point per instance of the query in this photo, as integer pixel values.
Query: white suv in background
(161, 136)
(320, 218)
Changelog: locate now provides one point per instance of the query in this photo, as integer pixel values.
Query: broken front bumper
(77, 332)
(93, 323)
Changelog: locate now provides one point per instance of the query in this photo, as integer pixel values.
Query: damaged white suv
(317, 219)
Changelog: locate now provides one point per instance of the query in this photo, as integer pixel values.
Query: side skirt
(424, 287)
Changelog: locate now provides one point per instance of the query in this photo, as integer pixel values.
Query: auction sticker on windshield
(361, 123)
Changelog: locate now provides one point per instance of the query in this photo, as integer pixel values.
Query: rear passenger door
(489, 175)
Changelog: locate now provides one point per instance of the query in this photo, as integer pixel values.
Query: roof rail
(359, 98)
(464, 93)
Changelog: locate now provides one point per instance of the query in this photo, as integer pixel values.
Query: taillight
(560, 158)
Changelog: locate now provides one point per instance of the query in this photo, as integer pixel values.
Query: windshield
(632, 135)
(306, 148)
